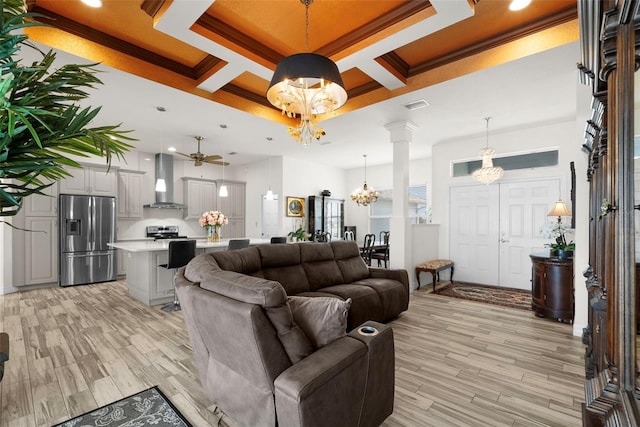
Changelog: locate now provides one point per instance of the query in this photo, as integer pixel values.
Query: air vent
(416, 105)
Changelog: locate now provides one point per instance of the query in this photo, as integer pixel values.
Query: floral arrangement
(557, 231)
(212, 219)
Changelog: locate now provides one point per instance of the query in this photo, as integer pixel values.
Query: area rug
(147, 408)
(507, 297)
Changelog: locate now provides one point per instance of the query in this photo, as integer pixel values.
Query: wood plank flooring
(458, 363)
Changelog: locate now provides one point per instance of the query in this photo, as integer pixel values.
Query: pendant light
(487, 173)
(223, 188)
(306, 84)
(161, 185)
(365, 195)
(269, 195)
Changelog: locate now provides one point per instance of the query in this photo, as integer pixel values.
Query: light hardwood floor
(458, 363)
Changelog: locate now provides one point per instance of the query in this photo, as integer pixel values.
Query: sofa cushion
(271, 297)
(320, 266)
(282, 263)
(349, 261)
(246, 260)
(365, 305)
(391, 293)
(322, 319)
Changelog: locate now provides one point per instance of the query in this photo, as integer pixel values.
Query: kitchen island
(146, 280)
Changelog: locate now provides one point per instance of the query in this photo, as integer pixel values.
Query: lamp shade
(307, 81)
(559, 209)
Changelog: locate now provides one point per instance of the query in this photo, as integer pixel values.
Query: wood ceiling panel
(281, 25)
(126, 21)
(492, 18)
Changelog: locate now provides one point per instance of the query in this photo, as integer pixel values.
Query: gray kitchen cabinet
(130, 194)
(233, 206)
(199, 196)
(90, 179)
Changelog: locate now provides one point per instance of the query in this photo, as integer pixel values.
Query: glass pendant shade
(269, 195)
(161, 185)
(223, 191)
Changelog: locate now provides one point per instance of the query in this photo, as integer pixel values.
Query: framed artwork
(295, 206)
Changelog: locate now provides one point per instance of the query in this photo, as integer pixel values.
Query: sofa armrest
(382, 273)
(325, 388)
(379, 394)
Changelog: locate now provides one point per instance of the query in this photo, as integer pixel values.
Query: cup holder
(368, 331)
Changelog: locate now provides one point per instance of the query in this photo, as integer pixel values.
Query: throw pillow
(322, 319)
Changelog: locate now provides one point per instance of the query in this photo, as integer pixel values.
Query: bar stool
(238, 244)
(180, 253)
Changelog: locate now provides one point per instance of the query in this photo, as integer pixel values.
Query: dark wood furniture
(435, 266)
(326, 215)
(552, 288)
(4, 351)
(610, 35)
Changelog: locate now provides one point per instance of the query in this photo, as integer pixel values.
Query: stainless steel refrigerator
(87, 224)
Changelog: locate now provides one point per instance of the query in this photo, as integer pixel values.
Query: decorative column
(400, 240)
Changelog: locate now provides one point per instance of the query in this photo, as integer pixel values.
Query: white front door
(495, 228)
(523, 212)
(474, 223)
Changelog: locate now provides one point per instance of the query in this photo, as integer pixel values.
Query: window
(508, 162)
(381, 211)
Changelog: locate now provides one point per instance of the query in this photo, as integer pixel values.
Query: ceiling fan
(200, 158)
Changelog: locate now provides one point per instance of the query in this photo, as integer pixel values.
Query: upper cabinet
(45, 204)
(90, 179)
(233, 206)
(129, 194)
(199, 196)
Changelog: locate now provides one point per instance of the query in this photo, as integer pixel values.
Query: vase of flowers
(560, 248)
(213, 221)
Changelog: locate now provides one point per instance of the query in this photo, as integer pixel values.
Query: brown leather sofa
(258, 366)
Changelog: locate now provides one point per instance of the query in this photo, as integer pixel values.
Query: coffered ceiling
(221, 55)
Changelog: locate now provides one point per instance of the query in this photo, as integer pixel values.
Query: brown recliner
(259, 367)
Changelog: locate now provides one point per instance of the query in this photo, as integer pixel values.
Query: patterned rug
(147, 408)
(507, 297)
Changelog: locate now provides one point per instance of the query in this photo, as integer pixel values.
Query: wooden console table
(552, 288)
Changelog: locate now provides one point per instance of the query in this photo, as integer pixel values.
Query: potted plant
(299, 235)
(559, 248)
(41, 121)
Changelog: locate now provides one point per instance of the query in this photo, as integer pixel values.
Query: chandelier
(487, 173)
(306, 84)
(363, 196)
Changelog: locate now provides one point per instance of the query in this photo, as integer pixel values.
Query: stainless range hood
(164, 170)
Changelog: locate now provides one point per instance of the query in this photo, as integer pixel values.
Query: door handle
(503, 241)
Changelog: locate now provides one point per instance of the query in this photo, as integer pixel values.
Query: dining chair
(238, 244)
(319, 236)
(348, 235)
(367, 249)
(382, 254)
(180, 253)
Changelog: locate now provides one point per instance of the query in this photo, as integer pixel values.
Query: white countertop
(163, 245)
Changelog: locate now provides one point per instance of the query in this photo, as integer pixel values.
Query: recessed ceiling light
(172, 149)
(518, 4)
(93, 3)
(416, 105)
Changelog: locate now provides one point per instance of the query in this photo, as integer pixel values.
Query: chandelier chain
(487, 132)
(306, 25)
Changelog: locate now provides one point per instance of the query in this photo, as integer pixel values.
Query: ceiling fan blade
(216, 162)
(212, 157)
(186, 155)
